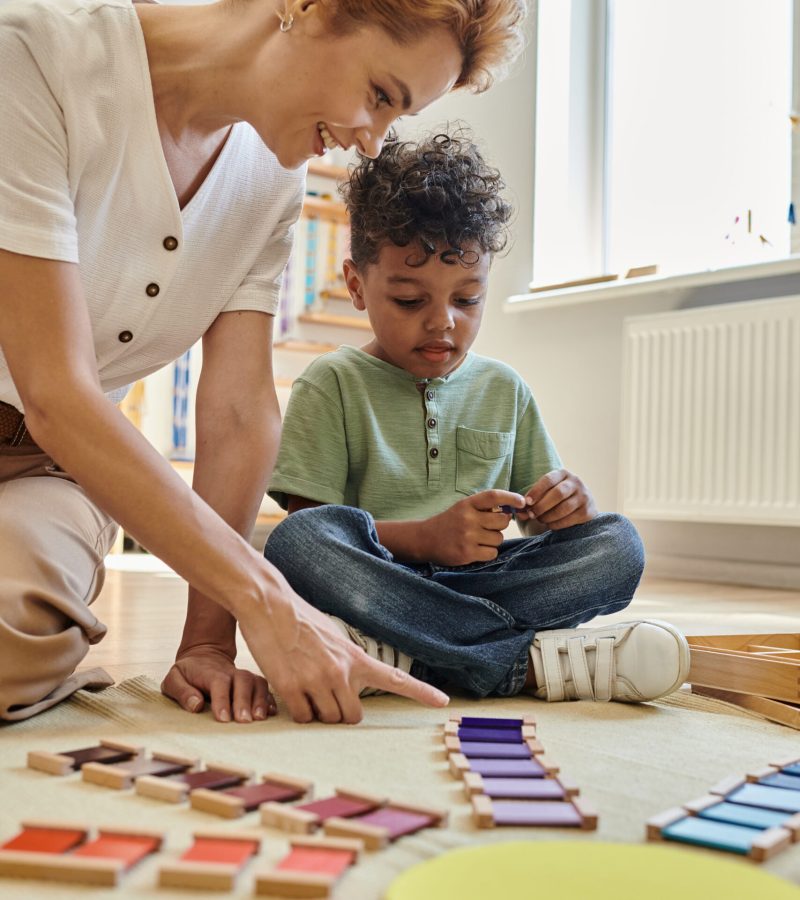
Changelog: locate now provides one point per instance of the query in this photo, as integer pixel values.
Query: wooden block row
(376, 821)
(508, 778)
(756, 816)
(66, 852)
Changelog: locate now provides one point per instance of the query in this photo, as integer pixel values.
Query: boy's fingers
(219, 691)
(492, 500)
(396, 681)
(544, 484)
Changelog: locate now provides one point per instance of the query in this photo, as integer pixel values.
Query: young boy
(401, 463)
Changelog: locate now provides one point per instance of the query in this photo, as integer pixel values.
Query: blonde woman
(151, 170)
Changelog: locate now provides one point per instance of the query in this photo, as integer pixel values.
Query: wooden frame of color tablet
(307, 817)
(175, 789)
(107, 752)
(311, 868)
(572, 813)
(71, 856)
(213, 862)
(121, 776)
(231, 803)
(385, 824)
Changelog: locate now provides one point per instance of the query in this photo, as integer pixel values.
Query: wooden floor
(144, 613)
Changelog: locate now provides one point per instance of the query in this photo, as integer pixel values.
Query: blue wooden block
(484, 722)
(792, 768)
(707, 833)
(749, 816)
(487, 750)
(781, 780)
(497, 735)
(766, 797)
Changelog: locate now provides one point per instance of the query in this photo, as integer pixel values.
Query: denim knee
(315, 529)
(622, 549)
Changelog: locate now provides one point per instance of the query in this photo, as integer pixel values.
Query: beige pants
(52, 543)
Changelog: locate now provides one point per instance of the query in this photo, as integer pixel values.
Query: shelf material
(335, 294)
(334, 319)
(294, 346)
(329, 210)
(323, 170)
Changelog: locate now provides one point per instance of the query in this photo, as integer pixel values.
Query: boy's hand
(559, 500)
(471, 530)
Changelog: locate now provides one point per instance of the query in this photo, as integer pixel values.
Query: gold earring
(287, 20)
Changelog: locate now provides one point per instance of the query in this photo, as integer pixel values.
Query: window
(663, 135)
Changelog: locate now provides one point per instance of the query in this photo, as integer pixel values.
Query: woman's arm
(47, 340)
(238, 425)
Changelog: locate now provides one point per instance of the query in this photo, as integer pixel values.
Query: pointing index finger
(396, 681)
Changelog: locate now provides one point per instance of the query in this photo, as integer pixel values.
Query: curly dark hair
(435, 193)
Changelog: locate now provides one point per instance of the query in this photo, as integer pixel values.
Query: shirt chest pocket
(483, 460)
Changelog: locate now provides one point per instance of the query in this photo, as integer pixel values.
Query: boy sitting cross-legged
(401, 461)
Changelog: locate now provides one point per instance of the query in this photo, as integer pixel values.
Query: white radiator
(711, 414)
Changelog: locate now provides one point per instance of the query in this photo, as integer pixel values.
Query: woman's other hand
(208, 673)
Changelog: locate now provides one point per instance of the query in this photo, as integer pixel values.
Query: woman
(150, 176)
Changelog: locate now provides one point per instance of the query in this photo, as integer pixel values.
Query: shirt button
(429, 395)
(431, 423)
(170, 243)
(152, 289)
(125, 337)
(434, 452)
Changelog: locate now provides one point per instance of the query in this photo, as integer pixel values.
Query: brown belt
(12, 426)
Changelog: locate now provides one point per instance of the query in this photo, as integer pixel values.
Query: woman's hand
(209, 673)
(311, 665)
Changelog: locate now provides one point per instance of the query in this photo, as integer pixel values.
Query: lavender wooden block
(523, 789)
(483, 722)
(496, 735)
(486, 750)
(507, 768)
(519, 812)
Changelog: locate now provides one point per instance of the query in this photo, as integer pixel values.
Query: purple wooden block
(523, 788)
(481, 750)
(399, 822)
(507, 768)
(519, 812)
(482, 722)
(496, 735)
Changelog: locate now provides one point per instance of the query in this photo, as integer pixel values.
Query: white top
(83, 179)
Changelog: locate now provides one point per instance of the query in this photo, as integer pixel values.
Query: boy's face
(425, 318)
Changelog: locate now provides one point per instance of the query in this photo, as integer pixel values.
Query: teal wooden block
(749, 816)
(716, 835)
(766, 797)
(781, 780)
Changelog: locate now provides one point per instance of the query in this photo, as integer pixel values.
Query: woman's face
(346, 91)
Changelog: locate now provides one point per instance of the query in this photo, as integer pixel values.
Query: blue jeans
(468, 626)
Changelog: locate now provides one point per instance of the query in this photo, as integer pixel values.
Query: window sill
(624, 289)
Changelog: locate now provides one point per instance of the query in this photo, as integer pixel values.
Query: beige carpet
(630, 762)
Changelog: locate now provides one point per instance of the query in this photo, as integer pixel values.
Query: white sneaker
(631, 662)
(374, 648)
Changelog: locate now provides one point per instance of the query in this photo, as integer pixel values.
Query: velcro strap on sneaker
(553, 678)
(581, 677)
(604, 668)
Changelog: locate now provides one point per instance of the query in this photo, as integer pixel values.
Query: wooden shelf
(322, 170)
(335, 319)
(328, 210)
(335, 294)
(304, 346)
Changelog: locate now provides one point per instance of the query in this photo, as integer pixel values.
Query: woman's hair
(437, 194)
(488, 32)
